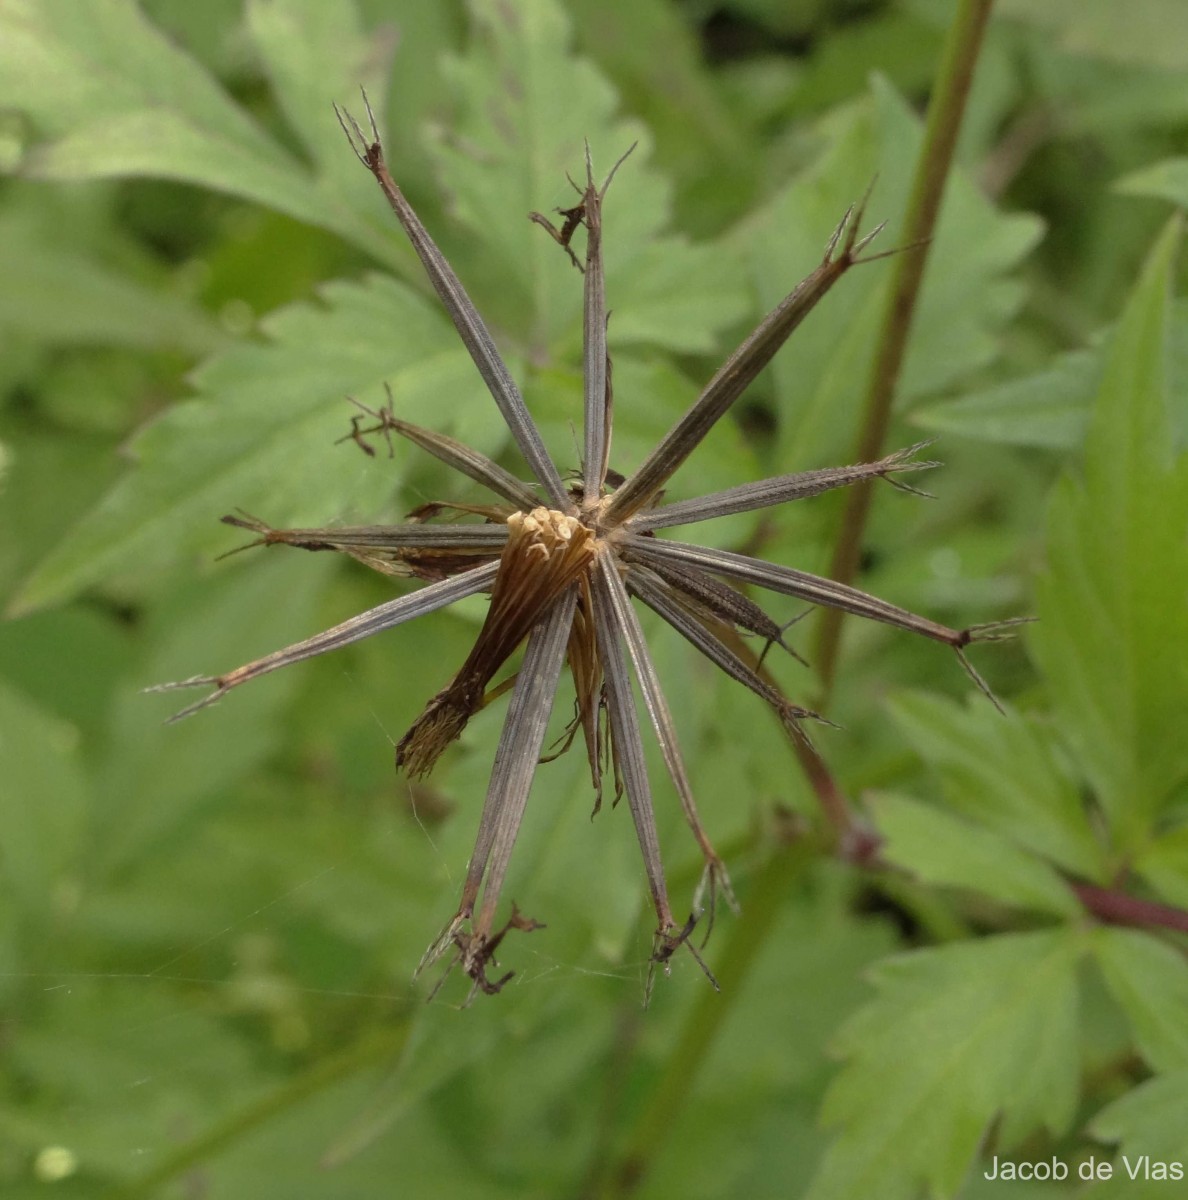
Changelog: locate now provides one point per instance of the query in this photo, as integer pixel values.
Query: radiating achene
(561, 562)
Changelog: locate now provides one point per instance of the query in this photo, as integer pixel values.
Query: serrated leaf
(119, 99)
(821, 376)
(1000, 772)
(45, 805)
(66, 296)
(953, 1037)
(527, 105)
(316, 55)
(1149, 979)
(1046, 409)
(1050, 408)
(155, 777)
(1149, 1120)
(899, 44)
(1111, 604)
(702, 141)
(944, 850)
(262, 435)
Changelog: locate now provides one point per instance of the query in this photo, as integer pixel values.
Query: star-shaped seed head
(563, 563)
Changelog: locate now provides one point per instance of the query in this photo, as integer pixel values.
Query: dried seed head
(564, 576)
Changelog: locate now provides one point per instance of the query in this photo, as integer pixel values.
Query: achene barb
(564, 565)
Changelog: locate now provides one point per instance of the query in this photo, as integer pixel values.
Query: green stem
(764, 903)
(366, 1053)
(945, 111)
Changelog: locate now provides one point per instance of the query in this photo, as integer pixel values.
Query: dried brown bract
(561, 564)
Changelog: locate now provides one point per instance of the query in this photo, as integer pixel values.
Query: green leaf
(1149, 979)
(901, 45)
(45, 806)
(946, 851)
(262, 435)
(1165, 180)
(155, 778)
(1163, 863)
(98, 1038)
(700, 140)
(49, 483)
(821, 375)
(952, 1037)
(70, 66)
(1050, 408)
(119, 99)
(41, 654)
(316, 55)
(66, 296)
(526, 105)
(1000, 772)
(1148, 1122)
(1111, 604)
(1141, 31)
(1045, 409)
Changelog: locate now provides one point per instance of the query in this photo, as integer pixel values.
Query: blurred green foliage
(207, 930)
